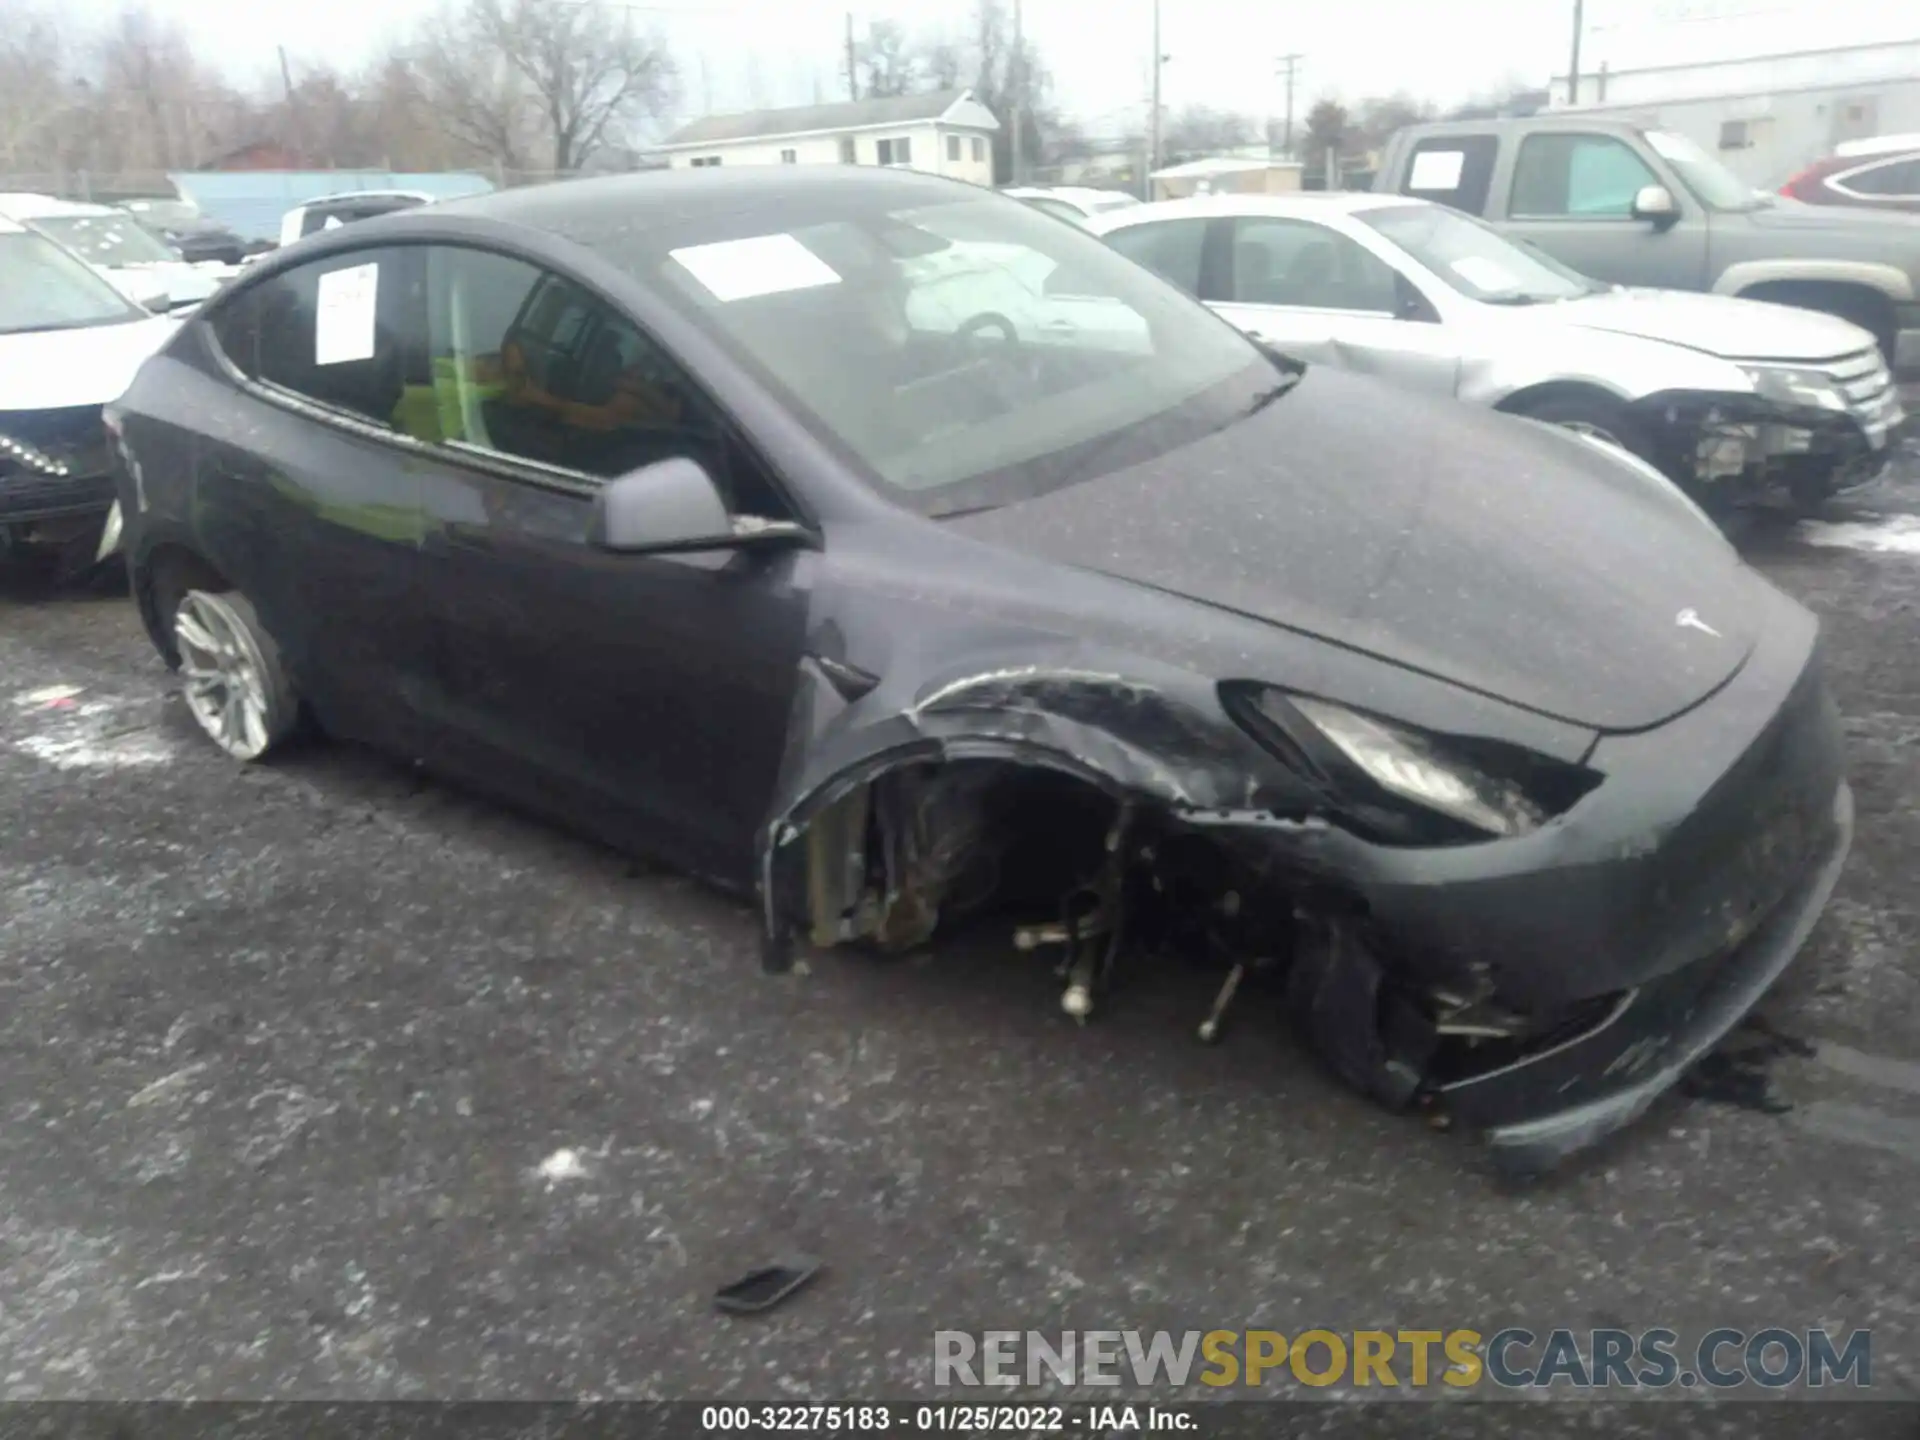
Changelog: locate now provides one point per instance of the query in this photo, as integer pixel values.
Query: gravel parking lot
(318, 1081)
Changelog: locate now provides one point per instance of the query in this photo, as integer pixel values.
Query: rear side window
(1172, 249)
(1577, 177)
(1295, 262)
(1895, 178)
(337, 331)
(1456, 170)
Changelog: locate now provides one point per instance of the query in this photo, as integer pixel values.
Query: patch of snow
(84, 753)
(50, 695)
(165, 1087)
(563, 1164)
(1893, 535)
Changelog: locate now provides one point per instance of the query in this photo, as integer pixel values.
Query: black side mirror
(674, 505)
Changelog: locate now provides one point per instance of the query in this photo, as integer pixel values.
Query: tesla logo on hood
(1690, 619)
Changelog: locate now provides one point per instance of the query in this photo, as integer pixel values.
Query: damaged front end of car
(1386, 885)
(1804, 433)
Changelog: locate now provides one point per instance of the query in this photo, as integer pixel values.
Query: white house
(944, 132)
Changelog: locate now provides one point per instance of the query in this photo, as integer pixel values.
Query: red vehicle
(1881, 174)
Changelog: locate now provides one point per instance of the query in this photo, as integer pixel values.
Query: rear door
(306, 500)
(1572, 193)
(1319, 295)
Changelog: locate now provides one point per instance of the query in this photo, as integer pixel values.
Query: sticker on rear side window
(1437, 170)
(343, 328)
(763, 265)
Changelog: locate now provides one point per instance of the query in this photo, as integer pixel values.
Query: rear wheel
(236, 686)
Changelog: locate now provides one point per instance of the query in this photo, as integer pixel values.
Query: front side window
(981, 352)
(335, 331)
(42, 287)
(1476, 259)
(1296, 262)
(1172, 249)
(533, 366)
(1577, 177)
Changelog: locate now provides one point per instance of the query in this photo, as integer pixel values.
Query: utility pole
(1573, 69)
(853, 71)
(1017, 107)
(1287, 65)
(1153, 117)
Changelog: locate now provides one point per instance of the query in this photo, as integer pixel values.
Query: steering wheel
(980, 325)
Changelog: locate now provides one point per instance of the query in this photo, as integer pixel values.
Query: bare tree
(886, 61)
(34, 92)
(558, 78)
(1199, 131)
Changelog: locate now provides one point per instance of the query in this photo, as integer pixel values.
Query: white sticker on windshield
(764, 265)
(1437, 170)
(343, 315)
(1484, 274)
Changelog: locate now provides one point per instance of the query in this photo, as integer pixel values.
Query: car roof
(586, 211)
(26, 205)
(1878, 145)
(1306, 205)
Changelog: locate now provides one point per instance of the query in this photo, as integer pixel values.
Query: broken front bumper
(1605, 1078)
(1632, 933)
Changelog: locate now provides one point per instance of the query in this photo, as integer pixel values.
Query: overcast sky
(738, 54)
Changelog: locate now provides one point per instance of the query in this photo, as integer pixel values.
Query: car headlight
(32, 456)
(1489, 789)
(1799, 389)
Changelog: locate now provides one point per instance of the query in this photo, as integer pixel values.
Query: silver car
(1733, 399)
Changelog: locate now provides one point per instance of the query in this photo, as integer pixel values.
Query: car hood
(51, 369)
(1715, 324)
(1494, 553)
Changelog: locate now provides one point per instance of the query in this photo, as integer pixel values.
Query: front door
(1572, 195)
(1320, 296)
(644, 696)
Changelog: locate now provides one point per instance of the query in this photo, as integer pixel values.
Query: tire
(235, 682)
(1599, 416)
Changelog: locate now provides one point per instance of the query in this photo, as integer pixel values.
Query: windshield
(166, 214)
(1712, 184)
(42, 287)
(1476, 260)
(961, 354)
(105, 239)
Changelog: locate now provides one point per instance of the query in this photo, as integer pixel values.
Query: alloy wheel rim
(222, 671)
